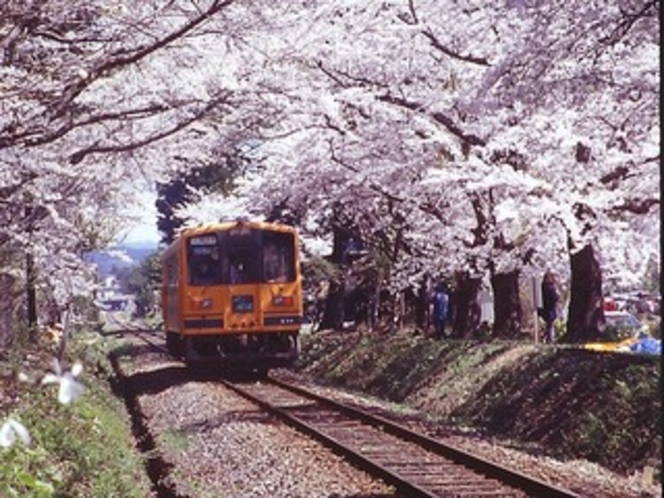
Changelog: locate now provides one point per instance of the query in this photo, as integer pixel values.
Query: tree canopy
(456, 135)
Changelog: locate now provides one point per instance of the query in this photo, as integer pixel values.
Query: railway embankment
(587, 412)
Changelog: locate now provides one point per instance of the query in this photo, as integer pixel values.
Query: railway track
(416, 465)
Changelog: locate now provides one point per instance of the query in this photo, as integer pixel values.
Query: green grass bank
(562, 402)
(82, 449)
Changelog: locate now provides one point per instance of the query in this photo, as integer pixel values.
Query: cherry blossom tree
(532, 126)
(486, 140)
(83, 96)
(584, 85)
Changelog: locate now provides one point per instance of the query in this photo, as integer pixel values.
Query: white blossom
(69, 388)
(11, 431)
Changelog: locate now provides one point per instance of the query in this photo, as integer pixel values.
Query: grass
(82, 449)
(175, 440)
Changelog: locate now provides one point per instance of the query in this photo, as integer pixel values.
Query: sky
(143, 232)
(141, 219)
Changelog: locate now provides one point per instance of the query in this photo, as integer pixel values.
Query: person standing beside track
(549, 310)
(440, 301)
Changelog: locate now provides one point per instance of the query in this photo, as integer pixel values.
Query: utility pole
(30, 273)
(31, 295)
(536, 283)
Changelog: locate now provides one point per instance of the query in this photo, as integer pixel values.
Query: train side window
(278, 257)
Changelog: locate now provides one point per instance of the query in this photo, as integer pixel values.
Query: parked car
(623, 325)
(625, 333)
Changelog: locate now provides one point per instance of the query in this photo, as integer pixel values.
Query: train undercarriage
(240, 351)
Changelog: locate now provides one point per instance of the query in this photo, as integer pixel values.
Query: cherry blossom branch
(635, 206)
(121, 59)
(623, 172)
(61, 106)
(413, 12)
(438, 45)
(356, 79)
(78, 156)
(439, 117)
(35, 138)
(649, 9)
(370, 184)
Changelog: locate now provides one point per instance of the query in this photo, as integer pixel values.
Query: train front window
(278, 257)
(203, 261)
(244, 256)
(242, 266)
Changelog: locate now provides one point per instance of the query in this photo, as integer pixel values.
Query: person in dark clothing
(440, 301)
(549, 310)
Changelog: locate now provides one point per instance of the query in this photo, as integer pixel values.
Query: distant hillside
(121, 256)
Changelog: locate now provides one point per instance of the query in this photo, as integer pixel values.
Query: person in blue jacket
(441, 302)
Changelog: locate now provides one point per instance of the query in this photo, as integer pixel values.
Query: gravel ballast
(218, 444)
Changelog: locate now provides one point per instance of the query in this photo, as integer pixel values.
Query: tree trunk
(506, 305)
(333, 311)
(466, 308)
(421, 306)
(586, 314)
(398, 312)
(374, 306)
(10, 294)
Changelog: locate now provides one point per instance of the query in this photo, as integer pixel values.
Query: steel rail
(383, 454)
(390, 477)
(528, 484)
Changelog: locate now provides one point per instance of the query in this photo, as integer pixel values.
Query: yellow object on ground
(611, 346)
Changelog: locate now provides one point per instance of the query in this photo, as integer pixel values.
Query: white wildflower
(11, 430)
(70, 389)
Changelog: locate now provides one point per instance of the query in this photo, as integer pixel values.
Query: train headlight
(280, 300)
(202, 303)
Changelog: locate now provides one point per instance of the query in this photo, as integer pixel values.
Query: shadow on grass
(587, 406)
(561, 401)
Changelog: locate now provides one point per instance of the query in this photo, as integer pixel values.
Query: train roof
(223, 226)
(228, 225)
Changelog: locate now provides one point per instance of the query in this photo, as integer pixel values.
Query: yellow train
(231, 294)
